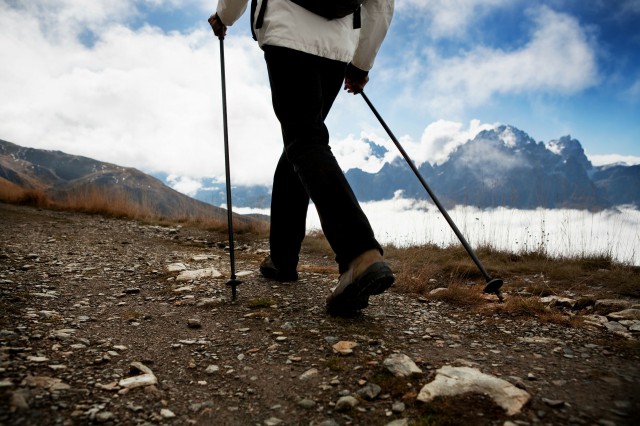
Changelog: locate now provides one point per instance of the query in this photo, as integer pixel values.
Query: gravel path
(101, 322)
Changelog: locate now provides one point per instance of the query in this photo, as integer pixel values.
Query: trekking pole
(233, 282)
(493, 284)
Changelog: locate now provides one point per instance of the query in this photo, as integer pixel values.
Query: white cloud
(557, 59)
(141, 98)
(354, 152)
(449, 18)
(603, 160)
(442, 137)
(184, 184)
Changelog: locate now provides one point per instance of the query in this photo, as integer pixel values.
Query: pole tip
(233, 283)
(493, 285)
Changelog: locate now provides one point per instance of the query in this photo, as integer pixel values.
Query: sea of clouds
(560, 233)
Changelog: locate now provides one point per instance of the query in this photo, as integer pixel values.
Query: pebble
(166, 413)
(194, 323)
(307, 403)
(313, 372)
(346, 403)
(400, 365)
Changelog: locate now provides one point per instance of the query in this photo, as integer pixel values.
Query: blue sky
(137, 83)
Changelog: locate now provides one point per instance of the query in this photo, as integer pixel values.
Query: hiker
(308, 57)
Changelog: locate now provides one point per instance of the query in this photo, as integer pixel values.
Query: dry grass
(14, 194)
(316, 243)
(528, 277)
(118, 203)
(532, 307)
(461, 295)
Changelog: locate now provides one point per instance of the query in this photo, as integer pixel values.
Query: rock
(145, 379)
(167, 414)
(370, 391)
(615, 326)
(562, 302)
(401, 365)
(176, 267)
(19, 400)
(553, 403)
(346, 403)
(272, 421)
(328, 422)
(104, 416)
(198, 274)
(212, 369)
(200, 257)
(451, 381)
(209, 302)
(605, 306)
(399, 422)
(313, 372)
(194, 323)
(44, 382)
(626, 314)
(307, 403)
(438, 290)
(398, 407)
(344, 347)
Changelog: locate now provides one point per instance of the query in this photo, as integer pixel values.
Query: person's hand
(355, 86)
(355, 79)
(219, 29)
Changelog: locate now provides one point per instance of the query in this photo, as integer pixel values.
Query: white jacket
(288, 25)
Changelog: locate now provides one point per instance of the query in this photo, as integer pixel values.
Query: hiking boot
(269, 270)
(368, 274)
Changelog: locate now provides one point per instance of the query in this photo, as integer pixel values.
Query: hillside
(119, 322)
(66, 178)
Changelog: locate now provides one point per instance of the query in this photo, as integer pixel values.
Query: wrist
(354, 73)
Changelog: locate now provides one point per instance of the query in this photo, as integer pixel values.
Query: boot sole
(374, 280)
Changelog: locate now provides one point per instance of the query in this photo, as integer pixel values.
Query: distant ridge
(60, 176)
(503, 166)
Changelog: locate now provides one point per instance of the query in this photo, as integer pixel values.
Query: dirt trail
(83, 297)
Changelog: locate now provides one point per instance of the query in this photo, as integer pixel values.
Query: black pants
(303, 88)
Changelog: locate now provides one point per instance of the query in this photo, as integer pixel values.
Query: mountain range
(503, 166)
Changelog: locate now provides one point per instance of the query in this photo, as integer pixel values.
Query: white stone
(198, 274)
(309, 374)
(176, 267)
(626, 314)
(145, 379)
(401, 365)
(451, 381)
(167, 414)
(212, 369)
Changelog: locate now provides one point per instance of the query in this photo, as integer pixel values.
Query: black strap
(260, 20)
(357, 18)
(254, 4)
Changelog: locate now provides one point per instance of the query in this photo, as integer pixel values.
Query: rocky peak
(566, 147)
